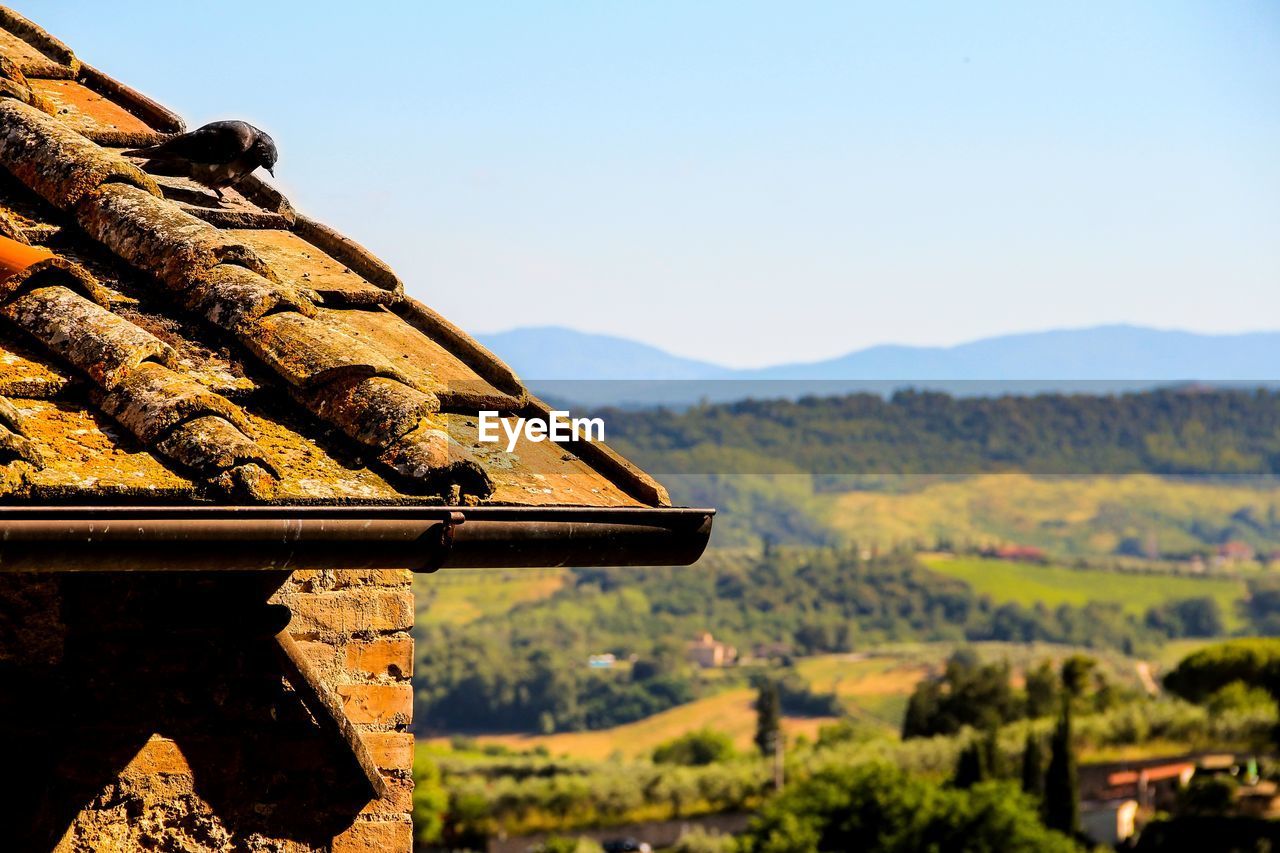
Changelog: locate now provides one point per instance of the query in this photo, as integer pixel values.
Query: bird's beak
(271, 171)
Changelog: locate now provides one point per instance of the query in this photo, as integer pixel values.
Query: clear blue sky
(758, 182)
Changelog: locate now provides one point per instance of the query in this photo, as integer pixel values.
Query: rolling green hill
(1177, 471)
(1066, 516)
(523, 666)
(1030, 584)
(1125, 495)
(873, 687)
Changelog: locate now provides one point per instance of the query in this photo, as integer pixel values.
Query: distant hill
(555, 352)
(1103, 358)
(1121, 353)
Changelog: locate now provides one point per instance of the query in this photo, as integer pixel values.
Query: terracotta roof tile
(460, 344)
(14, 443)
(178, 347)
(91, 338)
(300, 261)
(539, 474)
(234, 210)
(154, 399)
(433, 459)
(91, 113)
(425, 362)
(28, 58)
(35, 51)
(33, 217)
(59, 164)
(232, 297)
(373, 410)
(157, 236)
(307, 353)
(349, 252)
(232, 462)
(21, 375)
(91, 459)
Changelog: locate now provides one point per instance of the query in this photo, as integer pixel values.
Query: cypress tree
(971, 765)
(922, 709)
(768, 716)
(1033, 766)
(992, 760)
(1061, 788)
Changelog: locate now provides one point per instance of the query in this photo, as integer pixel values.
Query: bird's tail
(155, 152)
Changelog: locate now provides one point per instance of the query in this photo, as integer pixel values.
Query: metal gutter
(282, 538)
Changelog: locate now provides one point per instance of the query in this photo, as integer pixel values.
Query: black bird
(217, 155)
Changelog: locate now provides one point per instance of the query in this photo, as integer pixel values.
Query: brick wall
(354, 627)
(152, 711)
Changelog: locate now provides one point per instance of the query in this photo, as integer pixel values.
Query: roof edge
(422, 539)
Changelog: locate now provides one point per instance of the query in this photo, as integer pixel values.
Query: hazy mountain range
(586, 368)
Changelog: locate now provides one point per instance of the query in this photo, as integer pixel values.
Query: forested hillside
(1078, 475)
(863, 547)
(525, 670)
(1200, 432)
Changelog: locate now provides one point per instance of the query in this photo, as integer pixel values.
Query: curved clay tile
(153, 399)
(234, 463)
(373, 410)
(13, 83)
(230, 296)
(429, 455)
(181, 419)
(251, 285)
(307, 353)
(48, 56)
(155, 235)
(58, 163)
(60, 270)
(14, 443)
(88, 336)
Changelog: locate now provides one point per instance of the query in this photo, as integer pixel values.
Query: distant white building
(604, 661)
(708, 652)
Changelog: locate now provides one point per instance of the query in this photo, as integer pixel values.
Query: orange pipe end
(16, 257)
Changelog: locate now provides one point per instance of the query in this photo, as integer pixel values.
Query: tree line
(1173, 432)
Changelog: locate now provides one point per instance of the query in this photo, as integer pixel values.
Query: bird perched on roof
(217, 155)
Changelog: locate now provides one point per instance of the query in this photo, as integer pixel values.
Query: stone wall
(154, 711)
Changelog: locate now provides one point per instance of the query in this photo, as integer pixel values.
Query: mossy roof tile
(247, 352)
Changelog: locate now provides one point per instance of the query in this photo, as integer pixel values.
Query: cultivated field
(1031, 583)
(1069, 516)
(456, 598)
(874, 687)
(728, 712)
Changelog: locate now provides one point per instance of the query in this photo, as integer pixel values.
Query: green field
(462, 597)
(456, 598)
(1066, 516)
(1030, 583)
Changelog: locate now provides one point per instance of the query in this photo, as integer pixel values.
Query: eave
(286, 538)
